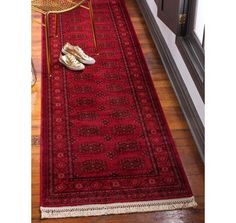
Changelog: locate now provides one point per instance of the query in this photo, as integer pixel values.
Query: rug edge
(117, 208)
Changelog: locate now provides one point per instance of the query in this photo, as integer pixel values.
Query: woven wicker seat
(54, 6)
(47, 7)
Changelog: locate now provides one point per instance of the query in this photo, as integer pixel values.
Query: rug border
(117, 208)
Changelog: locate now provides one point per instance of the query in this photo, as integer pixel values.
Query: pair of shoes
(74, 58)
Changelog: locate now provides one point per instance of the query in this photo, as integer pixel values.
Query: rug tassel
(117, 208)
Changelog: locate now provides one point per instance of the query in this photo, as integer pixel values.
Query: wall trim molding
(194, 122)
(193, 60)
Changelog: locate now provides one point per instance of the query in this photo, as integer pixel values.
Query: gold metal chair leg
(93, 25)
(47, 44)
(56, 23)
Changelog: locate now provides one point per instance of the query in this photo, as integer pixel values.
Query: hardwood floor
(188, 152)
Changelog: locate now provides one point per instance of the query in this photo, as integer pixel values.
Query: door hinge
(182, 18)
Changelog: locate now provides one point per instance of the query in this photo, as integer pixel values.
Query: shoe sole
(71, 68)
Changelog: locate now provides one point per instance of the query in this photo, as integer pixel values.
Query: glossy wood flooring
(180, 131)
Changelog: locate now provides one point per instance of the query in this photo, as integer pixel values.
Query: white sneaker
(71, 62)
(78, 53)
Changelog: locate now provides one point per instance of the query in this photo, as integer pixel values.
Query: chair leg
(47, 44)
(93, 26)
(56, 21)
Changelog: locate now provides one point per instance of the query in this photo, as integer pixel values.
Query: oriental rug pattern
(105, 144)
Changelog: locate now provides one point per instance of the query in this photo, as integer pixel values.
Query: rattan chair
(47, 7)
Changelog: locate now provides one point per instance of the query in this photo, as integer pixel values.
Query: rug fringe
(117, 208)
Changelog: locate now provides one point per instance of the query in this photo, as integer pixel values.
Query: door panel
(174, 14)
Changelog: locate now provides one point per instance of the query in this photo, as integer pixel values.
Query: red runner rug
(106, 147)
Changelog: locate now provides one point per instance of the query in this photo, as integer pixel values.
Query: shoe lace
(72, 59)
(82, 53)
